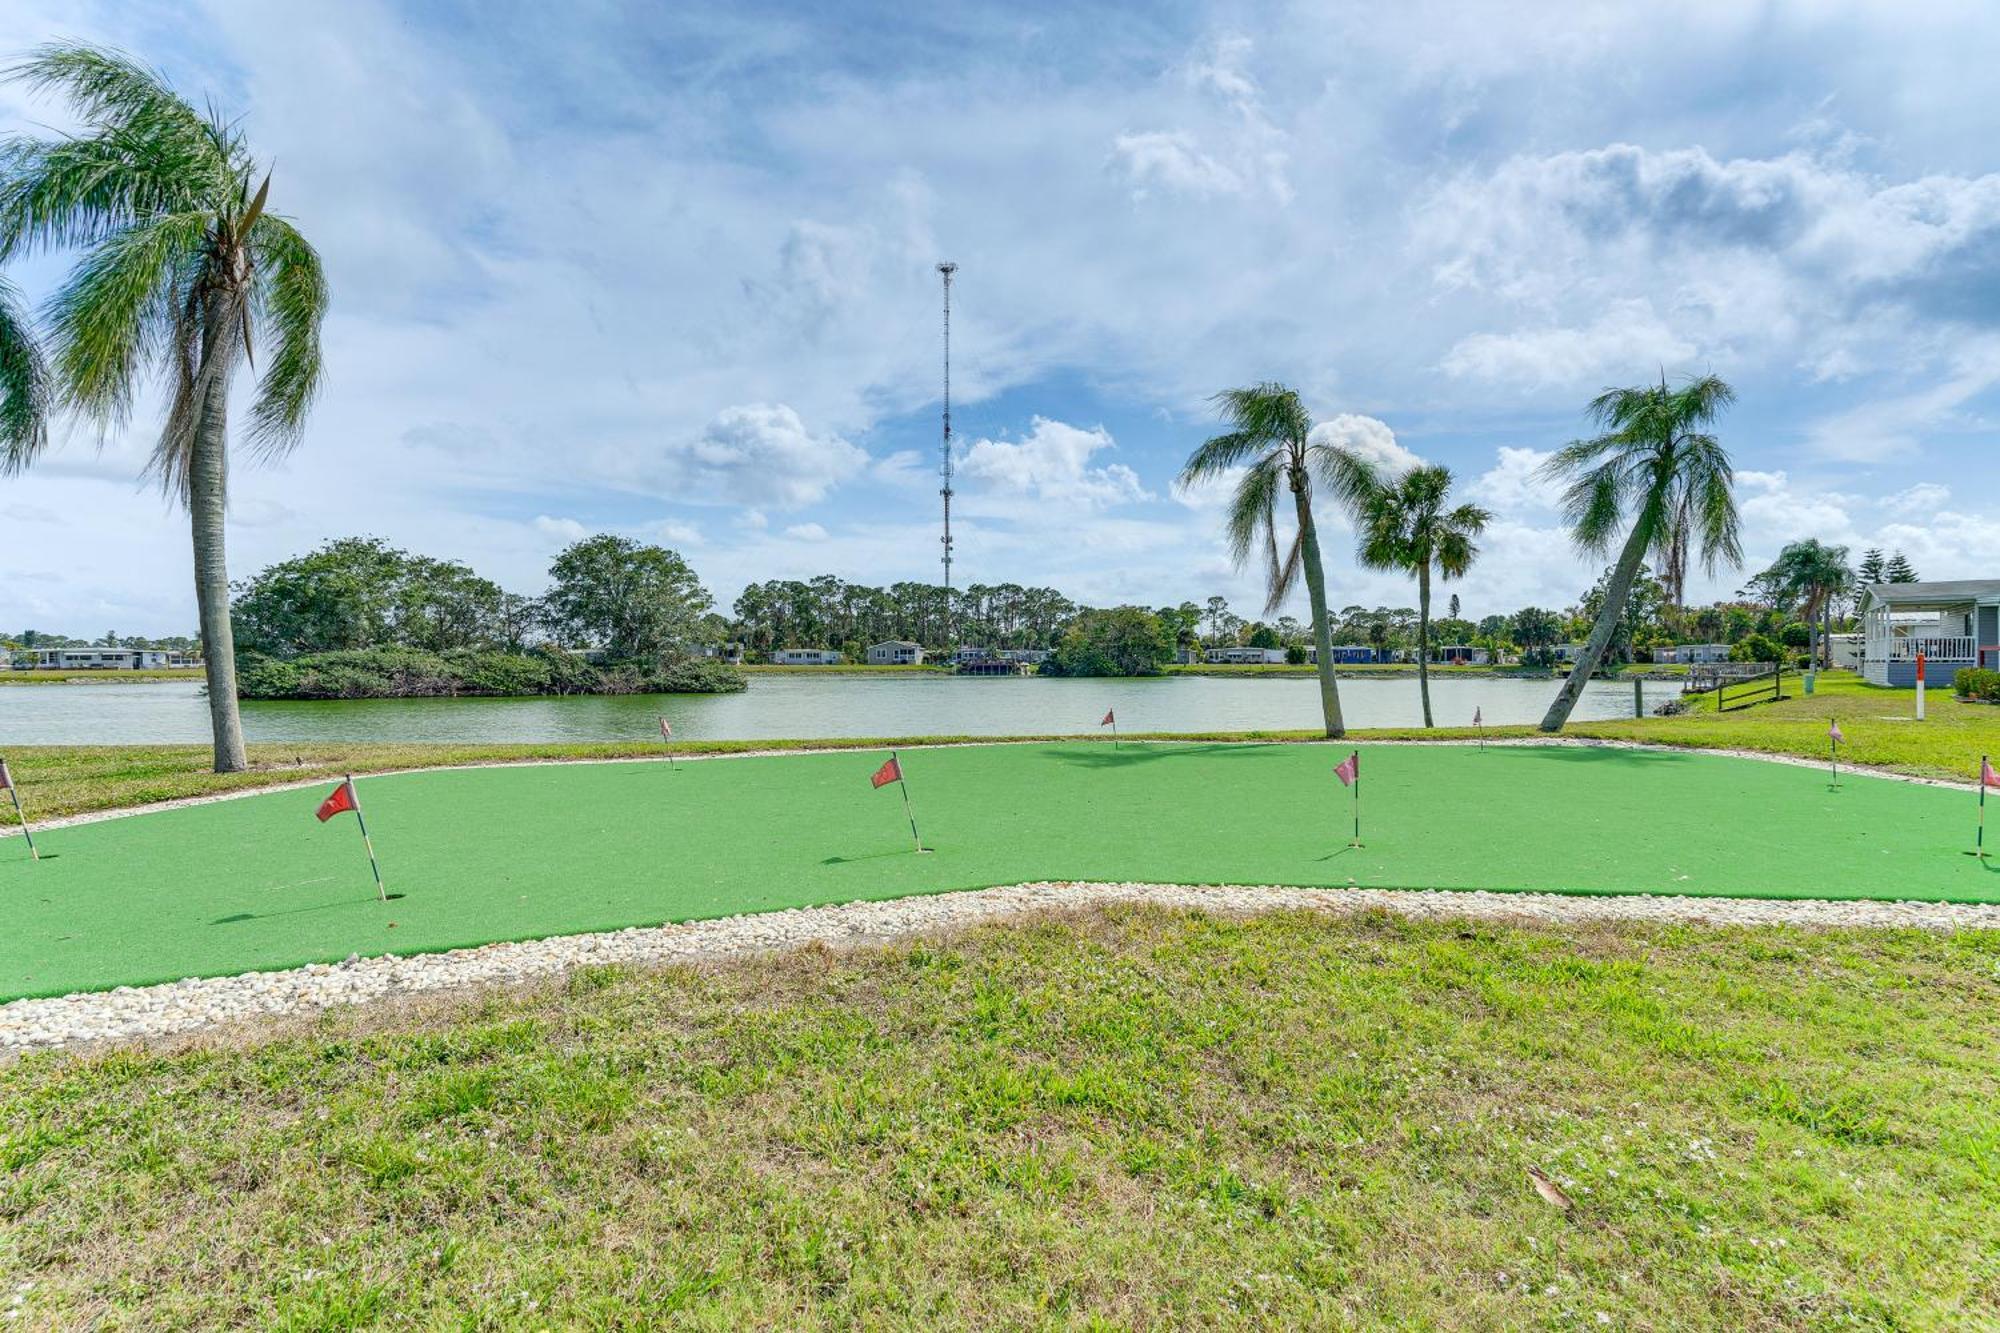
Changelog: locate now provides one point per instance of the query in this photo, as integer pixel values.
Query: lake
(798, 707)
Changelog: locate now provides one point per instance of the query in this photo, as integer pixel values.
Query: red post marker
(1920, 687)
(1110, 720)
(342, 800)
(7, 781)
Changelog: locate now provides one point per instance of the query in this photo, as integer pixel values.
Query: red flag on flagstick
(1834, 733)
(666, 732)
(344, 799)
(1987, 778)
(1349, 770)
(7, 785)
(1110, 718)
(893, 772)
(1987, 774)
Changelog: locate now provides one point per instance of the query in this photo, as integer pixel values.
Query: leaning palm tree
(1654, 454)
(1270, 438)
(183, 273)
(1404, 525)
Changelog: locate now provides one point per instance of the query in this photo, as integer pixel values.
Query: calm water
(794, 706)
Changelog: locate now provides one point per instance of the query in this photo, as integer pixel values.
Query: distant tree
(1535, 631)
(1813, 576)
(638, 603)
(1222, 622)
(1270, 439)
(1900, 570)
(361, 592)
(1798, 634)
(1454, 606)
(184, 272)
(1758, 648)
(1262, 636)
(1124, 641)
(1872, 568)
(1654, 458)
(1408, 523)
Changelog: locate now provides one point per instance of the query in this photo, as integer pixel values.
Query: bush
(1978, 684)
(406, 673)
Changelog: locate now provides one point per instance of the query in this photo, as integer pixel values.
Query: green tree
(1125, 641)
(1655, 456)
(1900, 570)
(24, 384)
(1270, 439)
(1813, 576)
(1405, 524)
(361, 592)
(185, 273)
(638, 603)
(1871, 569)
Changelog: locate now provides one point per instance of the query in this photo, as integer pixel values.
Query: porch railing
(1948, 648)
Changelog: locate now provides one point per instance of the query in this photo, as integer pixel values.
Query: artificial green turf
(520, 852)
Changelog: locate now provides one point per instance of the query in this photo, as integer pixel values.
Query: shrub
(405, 673)
(1977, 683)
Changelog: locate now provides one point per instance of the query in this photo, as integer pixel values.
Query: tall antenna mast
(945, 270)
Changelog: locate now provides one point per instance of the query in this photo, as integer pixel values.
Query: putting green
(522, 852)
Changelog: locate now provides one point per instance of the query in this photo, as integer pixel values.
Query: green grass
(9, 676)
(1140, 1119)
(519, 852)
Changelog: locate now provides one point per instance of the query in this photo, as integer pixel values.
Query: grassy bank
(1137, 1119)
(9, 676)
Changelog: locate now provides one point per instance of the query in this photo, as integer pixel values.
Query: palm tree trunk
(1622, 578)
(1424, 637)
(208, 499)
(1812, 636)
(1329, 688)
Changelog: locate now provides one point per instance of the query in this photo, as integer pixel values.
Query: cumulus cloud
(1922, 498)
(760, 454)
(1373, 440)
(1628, 335)
(806, 532)
(1052, 464)
(563, 530)
(1513, 484)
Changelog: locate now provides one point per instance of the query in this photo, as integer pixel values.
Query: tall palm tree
(1404, 525)
(1270, 438)
(183, 273)
(1815, 575)
(24, 381)
(1656, 452)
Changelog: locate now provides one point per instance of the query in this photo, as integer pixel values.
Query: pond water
(797, 707)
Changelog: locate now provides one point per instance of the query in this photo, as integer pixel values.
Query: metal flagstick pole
(667, 739)
(1357, 799)
(26, 832)
(904, 785)
(1834, 741)
(1979, 839)
(366, 841)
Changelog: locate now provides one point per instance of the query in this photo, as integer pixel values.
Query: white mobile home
(896, 652)
(1952, 625)
(806, 657)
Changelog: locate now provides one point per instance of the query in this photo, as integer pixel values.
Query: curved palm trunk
(1622, 578)
(1329, 688)
(208, 499)
(1424, 638)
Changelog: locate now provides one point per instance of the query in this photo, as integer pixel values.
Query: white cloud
(1513, 484)
(760, 454)
(1628, 335)
(681, 534)
(1923, 498)
(1051, 465)
(1368, 437)
(560, 529)
(806, 532)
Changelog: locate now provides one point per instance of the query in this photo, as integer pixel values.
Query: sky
(668, 271)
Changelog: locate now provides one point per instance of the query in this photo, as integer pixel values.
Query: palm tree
(182, 274)
(1654, 456)
(24, 382)
(1815, 575)
(1404, 525)
(1269, 437)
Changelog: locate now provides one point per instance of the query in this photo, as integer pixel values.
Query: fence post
(1638, 697)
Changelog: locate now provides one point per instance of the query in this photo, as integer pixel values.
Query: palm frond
(289, 293)
(1251, 511)
(25, 389)
(1351, 479)
(1221, 453)
(114, 314)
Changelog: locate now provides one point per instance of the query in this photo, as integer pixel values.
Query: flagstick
(1114, 731)
(15, 792)
(1979, 839)
(366, 841)
(1835, 745)
(1357, 804)
(905, 788)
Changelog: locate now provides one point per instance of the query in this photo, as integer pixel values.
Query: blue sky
(667, 270)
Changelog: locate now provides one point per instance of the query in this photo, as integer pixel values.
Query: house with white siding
(896, 652)
(1952, 624)
(806, 657)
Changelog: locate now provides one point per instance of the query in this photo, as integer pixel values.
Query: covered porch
(1952, 625)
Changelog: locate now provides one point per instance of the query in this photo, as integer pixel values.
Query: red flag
(666, 732)
(1478, 717)
(342, 799)
(6, 778)
(1349, 771)
(1110, 718)
(888, 773)
(1987, 775)
(1834, 733)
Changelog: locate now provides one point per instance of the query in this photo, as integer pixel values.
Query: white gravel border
(130, 1013)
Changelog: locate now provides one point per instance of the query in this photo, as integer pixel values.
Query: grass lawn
(11, 676)
(509, 853)
(1127, 1120)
